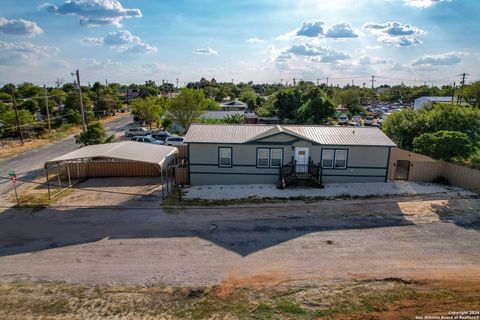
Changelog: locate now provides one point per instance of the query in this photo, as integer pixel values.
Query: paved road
(28, 165)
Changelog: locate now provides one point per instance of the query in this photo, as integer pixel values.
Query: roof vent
(353, 132)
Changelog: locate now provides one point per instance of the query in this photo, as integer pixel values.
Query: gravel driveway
(436, 237)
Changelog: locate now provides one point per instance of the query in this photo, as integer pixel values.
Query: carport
(120, 159)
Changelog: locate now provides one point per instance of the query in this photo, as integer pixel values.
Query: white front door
(301, 158)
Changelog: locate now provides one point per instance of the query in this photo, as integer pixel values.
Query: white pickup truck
(137, 131)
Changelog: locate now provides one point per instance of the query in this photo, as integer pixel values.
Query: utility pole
(327, 81)
(294, 82)
(453, 92)
(353, 83)
(177, 83)
(81, 100)
(373, 81)
(462, 84)
(16, 114)
(46, 107)
(318, 80)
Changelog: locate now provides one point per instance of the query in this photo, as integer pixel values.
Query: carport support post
(48, 183)
(58, 177)
(68, 172)
(161, 178)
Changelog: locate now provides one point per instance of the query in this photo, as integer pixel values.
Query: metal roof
(126, 150)
(326, 135)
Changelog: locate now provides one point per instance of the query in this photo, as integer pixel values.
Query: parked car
(137, 131)
(146, 139)
(160, 135)
(174, 141)
(343, 119)
(357, 119)
(368, 121)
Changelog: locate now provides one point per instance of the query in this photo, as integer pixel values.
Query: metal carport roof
(127, 150)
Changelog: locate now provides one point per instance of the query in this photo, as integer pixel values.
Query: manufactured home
(259, 154)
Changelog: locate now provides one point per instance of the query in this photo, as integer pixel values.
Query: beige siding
(364, 163)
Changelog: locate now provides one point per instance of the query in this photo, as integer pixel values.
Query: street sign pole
(13, 178)
(16, 194)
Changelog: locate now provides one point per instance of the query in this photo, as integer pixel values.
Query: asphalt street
(29, 165)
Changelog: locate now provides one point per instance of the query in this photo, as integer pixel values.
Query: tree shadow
(462, 213)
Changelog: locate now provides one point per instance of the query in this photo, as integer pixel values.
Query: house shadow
(245, 232)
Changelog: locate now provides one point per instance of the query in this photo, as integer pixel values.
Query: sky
(126, 41)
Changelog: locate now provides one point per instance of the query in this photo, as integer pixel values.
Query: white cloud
(92, 41)
(94, 12)
(444, 59)
(19, 27)
(304, 54)
(318, 29)
(341, 30)
(122, 40)
(206, 51)
(96, 64)
(310, 29)
(141, 48)
(395, 33)
(422, 3)
(255, 41)
(23, 52)
(367, 60)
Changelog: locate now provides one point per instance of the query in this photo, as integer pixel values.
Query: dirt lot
(390, 258)
(327, 240)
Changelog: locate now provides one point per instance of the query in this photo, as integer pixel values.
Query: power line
(462, 83)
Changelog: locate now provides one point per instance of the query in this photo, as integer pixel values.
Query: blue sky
(262, 41)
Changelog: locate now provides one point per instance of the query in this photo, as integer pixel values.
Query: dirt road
(287, 242)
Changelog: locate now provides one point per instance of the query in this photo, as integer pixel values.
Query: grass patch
(365, 300)
(38, 200)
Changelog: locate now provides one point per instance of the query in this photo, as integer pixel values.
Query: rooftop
(325, 135)
(127, 150)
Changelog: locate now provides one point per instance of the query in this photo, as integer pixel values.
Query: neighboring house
(252, 154)
(234, 105)
(420, 102)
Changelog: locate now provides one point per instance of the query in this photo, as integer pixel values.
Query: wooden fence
(423, 168)
(181, 175)
(109, 169)
(182, 152)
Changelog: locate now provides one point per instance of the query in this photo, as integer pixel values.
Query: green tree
(71, 111)
(95, 134)
(149, 109)
(315, 108)
(234, 119)
(187, 107)
(444, 145)
(404, 126)
(29, 90)
(472, 94)
(249, 96)
(350, 99)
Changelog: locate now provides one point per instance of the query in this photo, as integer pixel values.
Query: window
(224, 157)
(263, 158)
(276, 156)
(340, 159)
(327, 158)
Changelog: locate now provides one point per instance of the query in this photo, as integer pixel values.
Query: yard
(378, 258)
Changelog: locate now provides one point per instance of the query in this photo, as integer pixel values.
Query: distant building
(234, 105)
(420, 102)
